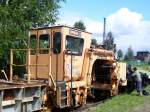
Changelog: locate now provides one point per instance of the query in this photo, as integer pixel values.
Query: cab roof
(48, 27)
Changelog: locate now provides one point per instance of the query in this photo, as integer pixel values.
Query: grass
(123, 103)
(139, 65)
(144, 67)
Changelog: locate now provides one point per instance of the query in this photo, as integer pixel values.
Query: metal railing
(28, 63)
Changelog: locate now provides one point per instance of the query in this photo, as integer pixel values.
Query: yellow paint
(43, 65)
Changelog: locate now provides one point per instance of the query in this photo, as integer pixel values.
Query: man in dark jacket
(130, 80)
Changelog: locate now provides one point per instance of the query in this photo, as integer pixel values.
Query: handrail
(30, 65)
(51, 77)
(28, 51)
(4, 74)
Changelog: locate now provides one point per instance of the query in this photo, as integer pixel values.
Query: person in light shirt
(138, 80)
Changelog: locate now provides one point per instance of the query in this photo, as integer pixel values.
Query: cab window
(74, 45)
(57, 43)
(33, 41)
(44, 43)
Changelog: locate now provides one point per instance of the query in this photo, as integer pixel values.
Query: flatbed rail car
(64, 69)
(21, 96)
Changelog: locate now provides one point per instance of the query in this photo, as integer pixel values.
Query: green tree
(130, 54)
(79, 25)
(109, 42)
(17, 16)
(119, 54)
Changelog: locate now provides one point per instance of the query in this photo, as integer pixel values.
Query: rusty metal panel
(21, 97)
(122, 73)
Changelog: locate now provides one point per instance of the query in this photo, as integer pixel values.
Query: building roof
(143, 52)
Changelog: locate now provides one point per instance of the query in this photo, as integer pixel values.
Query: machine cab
(51, 50)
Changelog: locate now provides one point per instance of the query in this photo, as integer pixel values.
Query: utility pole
(104, 31)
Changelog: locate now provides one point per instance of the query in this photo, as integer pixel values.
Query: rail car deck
(21, 96)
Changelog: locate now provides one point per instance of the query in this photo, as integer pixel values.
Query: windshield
(74, 45)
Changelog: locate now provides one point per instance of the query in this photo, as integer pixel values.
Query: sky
(128, 20)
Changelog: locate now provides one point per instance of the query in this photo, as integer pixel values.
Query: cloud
(93, 26)
(129, 28)
(124, 20)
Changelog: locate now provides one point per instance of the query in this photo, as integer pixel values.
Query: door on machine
(40, 56)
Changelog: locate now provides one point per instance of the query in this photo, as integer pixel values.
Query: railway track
(89, 105)
(82, 108)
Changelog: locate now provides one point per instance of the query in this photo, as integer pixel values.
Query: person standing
(130, 80)
(138, 81)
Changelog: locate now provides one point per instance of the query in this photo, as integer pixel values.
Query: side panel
(43, 67)
(122, 73)
(23, 99)
(77, 59)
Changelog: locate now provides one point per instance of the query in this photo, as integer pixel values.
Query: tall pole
(71, 102)
(56, 67)
(104, 31)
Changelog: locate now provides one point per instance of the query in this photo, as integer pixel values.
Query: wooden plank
(8, 102)
(11, 64)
